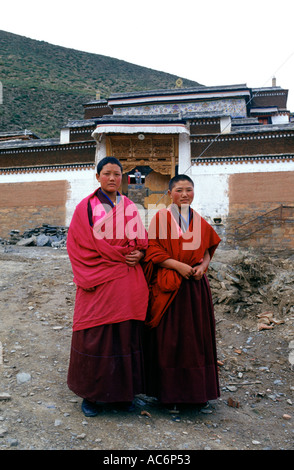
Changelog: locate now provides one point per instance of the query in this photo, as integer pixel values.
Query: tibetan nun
(106, 243)
(180, 346)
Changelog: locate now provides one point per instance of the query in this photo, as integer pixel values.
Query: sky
(216, 43)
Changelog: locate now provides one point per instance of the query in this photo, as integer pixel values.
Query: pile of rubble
(254, 283)
(46, 235)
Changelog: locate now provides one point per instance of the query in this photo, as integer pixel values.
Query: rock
(233, 403)
(42, 240)
(5, 396)
(216, 265)
(23, 377)
(59, 244)
(3, 431)
(12, 442)
(231, 278)
(231, 388)
(27, 241)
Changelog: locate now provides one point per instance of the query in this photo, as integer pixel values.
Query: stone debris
(266, 321)
(47, 235)
(251, 282)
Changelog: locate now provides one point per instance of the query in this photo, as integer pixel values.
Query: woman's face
(182, 193)
(110, 178)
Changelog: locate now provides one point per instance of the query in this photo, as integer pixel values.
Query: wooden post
(173, 160)
(108, 147)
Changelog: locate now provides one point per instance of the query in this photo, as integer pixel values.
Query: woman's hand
(198, 272)
(185, 270)
(200, 269)
(133, 258)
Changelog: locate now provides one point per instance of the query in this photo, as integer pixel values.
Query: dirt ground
(38, 411)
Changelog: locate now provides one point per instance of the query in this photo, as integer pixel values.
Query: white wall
(82, 183)
(212, 184)
(280, 119)
(184, 153)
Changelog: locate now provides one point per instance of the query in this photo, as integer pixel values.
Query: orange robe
(167, 240)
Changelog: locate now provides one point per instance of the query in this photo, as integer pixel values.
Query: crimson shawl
(97, 256)
(166, 240)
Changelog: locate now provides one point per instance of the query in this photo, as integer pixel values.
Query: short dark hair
(107, 160)
(177, 178)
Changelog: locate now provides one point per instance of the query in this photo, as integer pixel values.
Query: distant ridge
(45, 85)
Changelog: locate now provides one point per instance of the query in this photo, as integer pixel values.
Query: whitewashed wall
(212, 184)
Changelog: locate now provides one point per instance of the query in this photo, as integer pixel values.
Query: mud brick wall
(27, 205)
(252, 195)
(279, 236)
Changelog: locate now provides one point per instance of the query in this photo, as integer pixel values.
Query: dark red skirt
(106, 362)
(180, 354)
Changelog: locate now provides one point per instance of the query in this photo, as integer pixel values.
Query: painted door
(156, 185)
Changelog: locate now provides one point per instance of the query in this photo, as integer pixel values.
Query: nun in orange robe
(180, 346)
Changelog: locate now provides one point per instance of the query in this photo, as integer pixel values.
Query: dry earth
(255, 410)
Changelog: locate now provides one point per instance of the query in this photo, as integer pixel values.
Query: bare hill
(45, 85)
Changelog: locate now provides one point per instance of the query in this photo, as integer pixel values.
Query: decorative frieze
(244, 159)
(231, 137)
(81, 131)
(234, 107)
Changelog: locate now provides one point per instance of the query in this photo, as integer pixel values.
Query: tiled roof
(178, 91)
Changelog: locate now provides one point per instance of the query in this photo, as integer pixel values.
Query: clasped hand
(188, 272)
(134, 257)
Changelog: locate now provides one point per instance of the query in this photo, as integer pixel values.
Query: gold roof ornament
(179, 83)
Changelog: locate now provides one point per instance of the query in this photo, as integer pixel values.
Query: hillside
(44, 85)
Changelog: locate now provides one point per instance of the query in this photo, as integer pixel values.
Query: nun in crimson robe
(106, 363)
(180, 347)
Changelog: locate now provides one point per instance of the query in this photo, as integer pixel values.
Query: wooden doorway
(156, 152)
